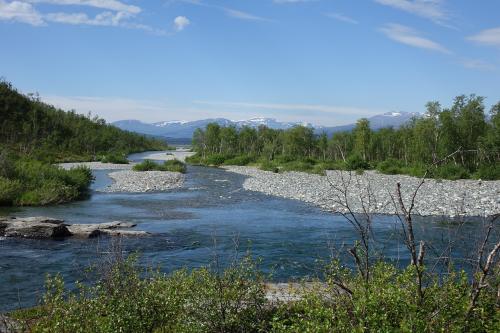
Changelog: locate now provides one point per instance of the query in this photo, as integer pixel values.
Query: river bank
(375, 192)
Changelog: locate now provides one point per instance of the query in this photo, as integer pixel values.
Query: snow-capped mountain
(185, 129)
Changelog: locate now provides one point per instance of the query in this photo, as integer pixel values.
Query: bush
(194, 160)
(239, 160)
(450, 171)
(115, 158)
(215, 160)
(390, 166)
(127, 299)
(269, 166)
(303, 166)
(488, 172)
(355, 162)
(9, 190)
(170, 165)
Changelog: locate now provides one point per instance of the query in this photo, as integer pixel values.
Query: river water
(211, 215)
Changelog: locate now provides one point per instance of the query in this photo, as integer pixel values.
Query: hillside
(33, 135)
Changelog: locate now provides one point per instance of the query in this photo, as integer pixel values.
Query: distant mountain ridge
(179, 129)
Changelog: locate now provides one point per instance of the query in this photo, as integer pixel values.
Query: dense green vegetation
(170, 165)
(34, 135)
(463, 128)
(127, 299)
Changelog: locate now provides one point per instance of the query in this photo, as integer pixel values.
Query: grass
(170, 165)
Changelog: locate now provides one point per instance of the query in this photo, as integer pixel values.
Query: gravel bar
(376, 191)
(144, 181)
(97, 166)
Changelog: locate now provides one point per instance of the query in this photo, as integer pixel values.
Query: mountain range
(178, 129)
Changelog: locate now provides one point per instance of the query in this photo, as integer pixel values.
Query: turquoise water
(211, 214)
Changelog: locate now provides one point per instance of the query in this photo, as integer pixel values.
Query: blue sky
(327, 62)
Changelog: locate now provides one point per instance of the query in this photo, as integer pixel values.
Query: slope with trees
(409, 149)
(34, 135)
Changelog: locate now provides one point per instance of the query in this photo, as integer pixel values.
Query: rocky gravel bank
(376, 191)
(144, 181)
(97, 166)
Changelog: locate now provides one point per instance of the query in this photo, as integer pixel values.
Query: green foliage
(488, 172)
(460, 132)
(170, 165)
(34, 183)
(239, 160)
(128, 299)
(115, 158)
(34, 135)
(356, 162)
(390, 167)
(450, 171)
(9, 190)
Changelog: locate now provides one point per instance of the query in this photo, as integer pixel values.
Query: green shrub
(9, 190)
(450, 171)
(390, 166)
(194, 160)
(240, 160)
(174, 166)
(488, 172)
(128, 299)
(170, 165)
(50, 192)
(355, 162)
(115, 158)
(269, 166)
(303, 166)
(215, 160)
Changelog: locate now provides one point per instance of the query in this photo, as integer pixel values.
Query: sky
(327, 62)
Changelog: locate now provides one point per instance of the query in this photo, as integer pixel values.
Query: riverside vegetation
(34, 135)
(407, 150)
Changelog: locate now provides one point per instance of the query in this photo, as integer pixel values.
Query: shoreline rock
(48, 228)
(97, 166)
(435, 197)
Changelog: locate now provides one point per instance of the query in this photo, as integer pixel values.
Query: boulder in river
(47, 228)
(33, 227)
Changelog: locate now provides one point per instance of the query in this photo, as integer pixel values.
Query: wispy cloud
(113, 5)
(487, 37)
(292, 1)
(101, 19)
(429, 9)
(408, 36)
(342, 18)
(478, 64)
(20, 12)
(238, 14)
(331, 109)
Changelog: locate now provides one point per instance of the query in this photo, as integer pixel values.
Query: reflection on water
(290, 236)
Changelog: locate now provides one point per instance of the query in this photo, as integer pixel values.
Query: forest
(34, 135)
(464, 132)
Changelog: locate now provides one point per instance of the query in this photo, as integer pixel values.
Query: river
(210, 215)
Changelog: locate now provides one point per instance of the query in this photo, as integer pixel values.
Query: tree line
(465, 129)
(34, 135)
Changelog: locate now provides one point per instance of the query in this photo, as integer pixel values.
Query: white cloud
(113, 5)
(345, 110)
(408, 36)
(180, 22)
(242, 15)
(20, 12)
(487, 37)
(430, 9)
(292, 1)
(101, 19)
(341, 17)
(478, 64)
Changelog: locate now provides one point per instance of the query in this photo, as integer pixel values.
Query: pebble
(377, 192)
(144, 181)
